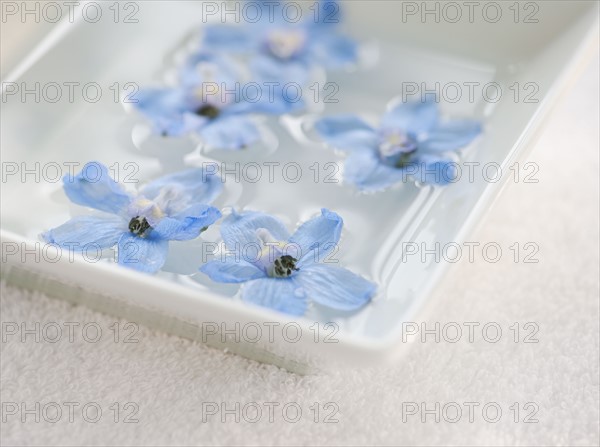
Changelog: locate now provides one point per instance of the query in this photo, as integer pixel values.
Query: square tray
(541, 50)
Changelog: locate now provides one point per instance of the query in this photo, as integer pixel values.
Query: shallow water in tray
(304, 177)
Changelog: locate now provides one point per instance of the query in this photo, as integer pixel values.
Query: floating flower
(171, 208)
(411, 141)
(210, 101)
(284, 272)
(284, 49)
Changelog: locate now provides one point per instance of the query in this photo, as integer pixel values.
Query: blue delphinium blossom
(410, 141)
(286, 49)
(282, 271)
(171, 208)
(209, 101)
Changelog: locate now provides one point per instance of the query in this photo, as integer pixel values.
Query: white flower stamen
(285, 43)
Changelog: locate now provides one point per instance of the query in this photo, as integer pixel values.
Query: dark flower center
(284, 266)
(139, 226)
(209, 111)
(404, 159)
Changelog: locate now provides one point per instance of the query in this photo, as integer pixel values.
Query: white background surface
(170, 378)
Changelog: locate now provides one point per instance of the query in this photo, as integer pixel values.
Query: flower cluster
(282, 50)
(207, 99)
(198, 106)
(411, 140)
(289, 272)
(175, 208)
(140, 224)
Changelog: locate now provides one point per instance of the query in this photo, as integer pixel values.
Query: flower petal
(206, 67)
(179, 125)
(228, 38)
(266, 93)
(318, 236)
(231, 132)
(161, 101)
(280, 294)
(451, 135)
(365, 170)
(335, 287)
(93, 187)
(169, 110)
(241, 229)
(188, 224)
(333, 50)
(175, 193)
(346, 132)
(97, 231)
(231, 270)
(143, 254)
(411, 117)
(268, 69)
(433, 170)
(270, 101)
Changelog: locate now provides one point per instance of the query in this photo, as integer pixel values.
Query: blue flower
(411, 141)
(284, 271)
(210, 101)
(171, 208)
(284, 50)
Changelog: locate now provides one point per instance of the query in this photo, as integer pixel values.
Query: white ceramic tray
(541, 52)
